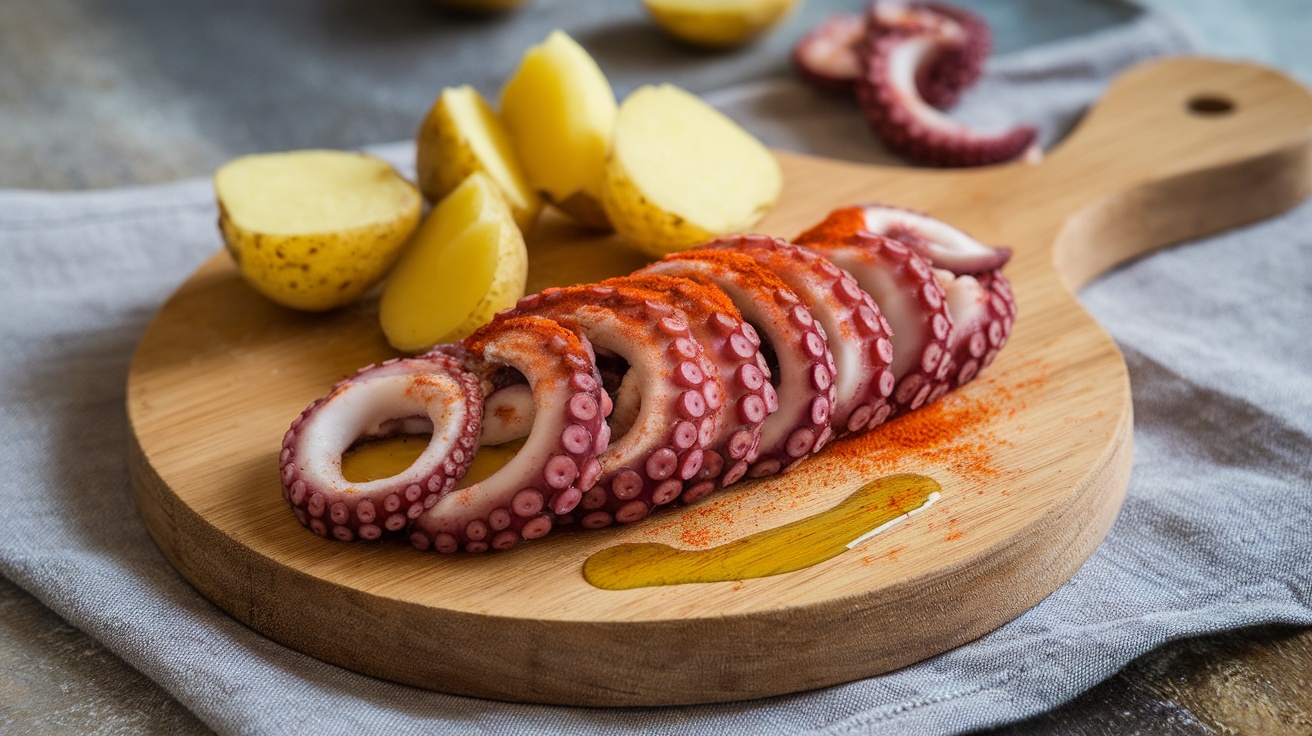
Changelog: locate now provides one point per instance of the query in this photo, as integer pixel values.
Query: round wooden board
(221, 372)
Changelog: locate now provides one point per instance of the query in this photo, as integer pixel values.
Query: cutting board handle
(1177, 149)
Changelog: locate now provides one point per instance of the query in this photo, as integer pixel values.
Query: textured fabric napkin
(1213, 535)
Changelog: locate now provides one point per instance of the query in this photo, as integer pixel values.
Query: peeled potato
(466, 262)
(560, 110)
(680, 172)
(314, 230)
(718, 23)
(462, 135)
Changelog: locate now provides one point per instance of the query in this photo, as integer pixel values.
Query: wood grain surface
(524, 625)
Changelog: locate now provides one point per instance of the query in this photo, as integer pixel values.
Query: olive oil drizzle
(385, 457)
(791, 547)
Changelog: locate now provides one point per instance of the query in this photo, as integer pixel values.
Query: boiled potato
(560, 110)
(680, 172)
(718, 23)
(314, 230)
(462, 135)
(465, 263)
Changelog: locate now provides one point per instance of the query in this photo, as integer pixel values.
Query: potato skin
(444, 159)
(649, 228)
(320, 271)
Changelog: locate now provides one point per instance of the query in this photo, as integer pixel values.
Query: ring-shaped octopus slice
(435, 392)
(983, 310)
(889, 95)
(943, 245)
(801, 403)
(912, 300)
(732, 351)
(650, 464)
(547, 477)
(856, 331)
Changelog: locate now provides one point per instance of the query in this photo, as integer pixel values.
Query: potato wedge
(718, 23)
(681, 172)
(461, 135)
(314, 230)
(559, 110)
(466, 262)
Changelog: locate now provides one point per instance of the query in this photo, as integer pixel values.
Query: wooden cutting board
(1032, 472)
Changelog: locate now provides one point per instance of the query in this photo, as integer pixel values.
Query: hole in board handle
(1209, 105)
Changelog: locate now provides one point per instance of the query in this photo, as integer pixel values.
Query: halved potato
(314, 230)
(680, 172)
(560, 111)
(462, 135)
(466, 262)
(718, 23)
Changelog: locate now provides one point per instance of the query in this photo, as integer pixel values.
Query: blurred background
(106, 93)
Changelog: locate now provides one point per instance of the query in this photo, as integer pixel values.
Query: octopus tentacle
(897, 58)
(434, 392)
(912, 300)
(732, 351)
(828, 58)
(983, 311)
(802, 405)
(958, 61)
(858, 335)
(558, 462)
(649, 464)
(936, 241)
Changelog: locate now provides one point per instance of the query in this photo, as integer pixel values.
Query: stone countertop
(120, 92)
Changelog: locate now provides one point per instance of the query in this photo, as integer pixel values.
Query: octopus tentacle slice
(802, 406)
(558, 462)
(912, 300)
(649, 464)
(435, 392)
(889, 94)
(828, 58)
(732, 351)
(959, 59)
(936, 241)
(858, 334)
(983, 311)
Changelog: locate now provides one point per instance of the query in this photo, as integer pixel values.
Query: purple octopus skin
(983, 311)
(558, 462)
(912, 300)
(801, 408)
(435, 392)
(959, 60)
(943, 245)
(733, 347)
(828, 57)
(919, 47)
(979, 297)
(857, 333)
(680, 394)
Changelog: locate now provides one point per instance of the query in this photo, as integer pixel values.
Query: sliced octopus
(801, 406)
(650, 464)
(436, 392)
(732, 346)
(547, 477)
(978, 296)
(913, 302)
(857, 334)
(740, 358)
